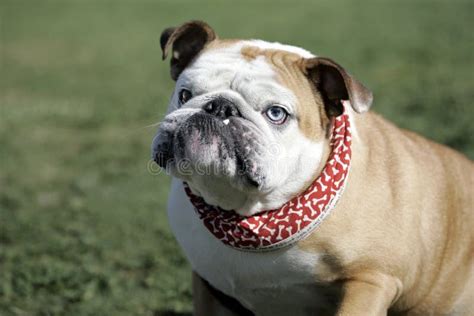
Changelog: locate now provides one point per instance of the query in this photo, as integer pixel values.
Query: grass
(83, 227)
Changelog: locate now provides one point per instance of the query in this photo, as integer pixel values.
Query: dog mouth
(208, 145)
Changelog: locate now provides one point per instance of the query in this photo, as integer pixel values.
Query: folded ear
(186, 41)
(336, 84)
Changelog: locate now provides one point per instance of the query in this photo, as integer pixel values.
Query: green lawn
(83, 227)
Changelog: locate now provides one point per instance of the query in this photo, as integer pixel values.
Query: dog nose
(222, 108)
(162, 158)
(162, 154)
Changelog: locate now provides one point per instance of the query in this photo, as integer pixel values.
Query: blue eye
(276, 114)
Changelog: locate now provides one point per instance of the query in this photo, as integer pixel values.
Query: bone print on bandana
(274, 229)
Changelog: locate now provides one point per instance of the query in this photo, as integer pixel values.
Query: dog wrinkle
(311, 116)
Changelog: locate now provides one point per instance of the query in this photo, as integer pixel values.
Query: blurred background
(83, 225)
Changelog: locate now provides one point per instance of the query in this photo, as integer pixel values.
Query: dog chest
(263, 282)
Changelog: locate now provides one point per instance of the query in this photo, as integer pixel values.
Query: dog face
(248, 121)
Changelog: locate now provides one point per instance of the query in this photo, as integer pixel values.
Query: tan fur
(402, 232)
(220, 44)
(311, 117)
(312, 121)
(401, 236)
(407, 214)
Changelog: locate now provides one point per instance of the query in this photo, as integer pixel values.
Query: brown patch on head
(251, 52)
(222, 43)
(311, 116)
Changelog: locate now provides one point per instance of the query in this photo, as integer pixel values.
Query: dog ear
(186, 41)
(335, 85)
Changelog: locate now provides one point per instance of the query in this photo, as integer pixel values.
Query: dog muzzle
(297, 218)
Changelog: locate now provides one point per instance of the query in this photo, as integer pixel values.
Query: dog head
(248, 122)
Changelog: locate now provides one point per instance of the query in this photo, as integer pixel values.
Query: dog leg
(369, 294)
(205, 303)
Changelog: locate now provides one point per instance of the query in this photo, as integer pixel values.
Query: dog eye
(276, 114)
(184, 96)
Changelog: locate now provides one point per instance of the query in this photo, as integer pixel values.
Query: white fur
(292, 49)
(274, 283)
(281, 282)
(350, 112)
(290, 157)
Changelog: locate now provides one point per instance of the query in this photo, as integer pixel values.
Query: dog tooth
(226, 121)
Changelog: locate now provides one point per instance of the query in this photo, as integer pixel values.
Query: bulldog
(289, 198)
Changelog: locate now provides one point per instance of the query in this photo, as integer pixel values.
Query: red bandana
(274, 229)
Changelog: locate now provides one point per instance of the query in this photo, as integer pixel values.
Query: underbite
(221, 147)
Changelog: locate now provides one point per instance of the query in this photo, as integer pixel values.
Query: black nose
(221, 107)
(162, 158)
(163, 154)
